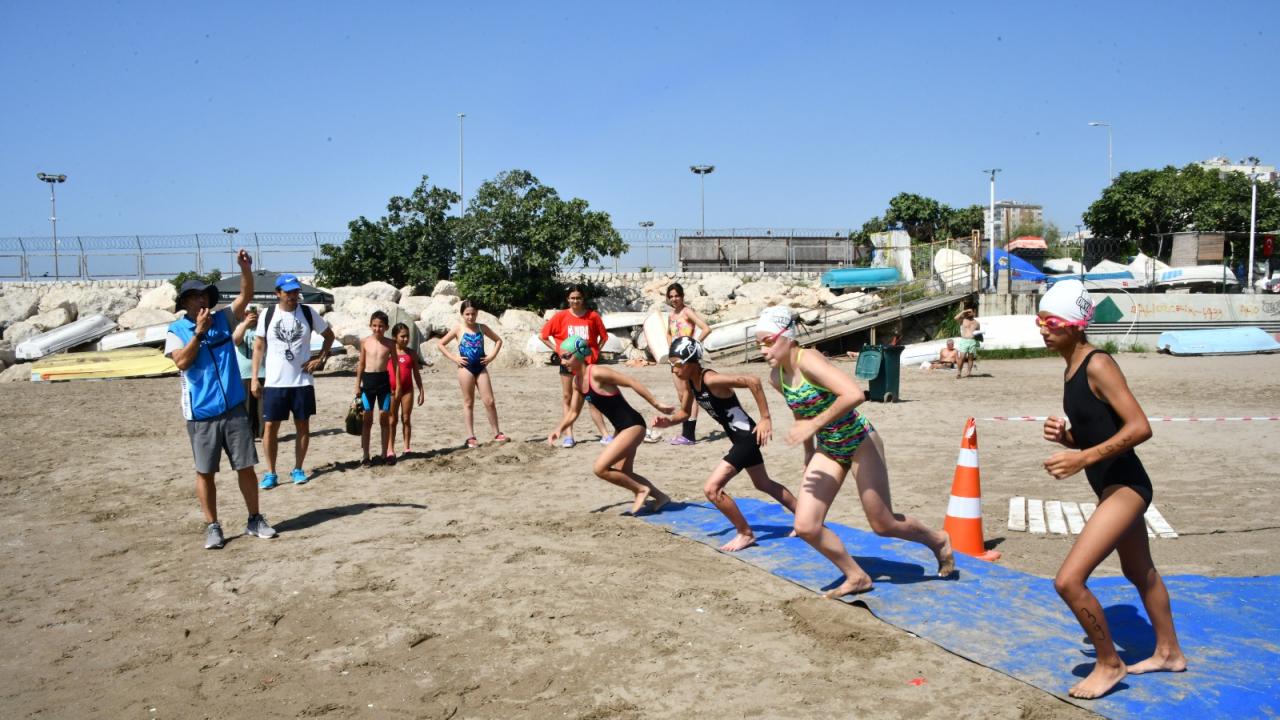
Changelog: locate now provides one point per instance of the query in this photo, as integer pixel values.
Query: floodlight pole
(991, 275)
(646, 224)
(53, 180)
(1253, 224)
(1111, 175)
(702, 171)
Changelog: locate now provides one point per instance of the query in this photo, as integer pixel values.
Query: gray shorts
(229, 432)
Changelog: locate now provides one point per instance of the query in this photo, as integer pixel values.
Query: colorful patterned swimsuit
(839, 439)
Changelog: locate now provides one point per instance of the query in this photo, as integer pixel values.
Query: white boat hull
(70, 335)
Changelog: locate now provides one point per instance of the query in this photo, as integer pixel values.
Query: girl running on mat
(602, 387)
(1106, 423)
(715, 393)
(837, 440)
(405, 373)
(473, 369)
(684, 321)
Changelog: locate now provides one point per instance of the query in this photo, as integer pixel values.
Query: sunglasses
(1057, 324)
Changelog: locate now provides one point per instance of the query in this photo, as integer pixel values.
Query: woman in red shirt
(585, 323)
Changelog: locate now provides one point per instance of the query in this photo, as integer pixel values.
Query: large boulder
(415, 304)
(719, 287)
(378, 291)
(445, 287)
(704, 305)
(16, 373)
(442, 314)
(610, 303)
(142, 317)
(363, 308)
(55, 318)
(161, 297)
(762, 292)
(17, 304)
(802, 297)
(520, 320)
(344, 363)
(347, 329)
(21, 330)
(85, 301)
(741, 310)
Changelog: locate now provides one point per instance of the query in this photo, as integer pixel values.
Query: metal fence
(653, 249)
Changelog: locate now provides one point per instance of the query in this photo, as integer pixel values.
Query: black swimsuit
(737, 424)
(1093, 422)
(615, 407)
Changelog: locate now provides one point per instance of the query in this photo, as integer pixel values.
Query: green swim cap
(577, 346)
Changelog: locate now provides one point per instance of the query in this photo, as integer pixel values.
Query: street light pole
(462, 191)
(646, 224)
(53, 180)
(991, 276)
(1111, 175)
(1253, 224)
(702, 171)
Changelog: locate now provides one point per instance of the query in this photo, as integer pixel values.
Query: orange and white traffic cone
(964, 511)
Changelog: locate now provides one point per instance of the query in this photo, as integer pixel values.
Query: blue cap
(288, 283)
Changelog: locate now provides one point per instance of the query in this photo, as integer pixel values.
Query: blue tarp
(1020, 269)
(1222, 341)
(1015, 623)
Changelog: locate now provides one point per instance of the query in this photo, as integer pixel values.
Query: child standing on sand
(1106, 424)
(684, 321)
(473, 369)
(601, 386)
(404, 372)
(373, 386)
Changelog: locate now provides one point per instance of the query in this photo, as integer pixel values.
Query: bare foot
(850, 587)
(641, 498)
(1160, 663)
(739, 542)
(1099, 682)
(660, 500)
(946, 558)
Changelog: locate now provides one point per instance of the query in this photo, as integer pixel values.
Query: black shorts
(745, 452)
(375, 391)
(279, 402)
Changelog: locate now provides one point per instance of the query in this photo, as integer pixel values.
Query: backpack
(271, 311)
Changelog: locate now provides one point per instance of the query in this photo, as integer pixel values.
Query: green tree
(924, 219)
(413, 244)
(517, 237)
(1143, 205)
(208, 278)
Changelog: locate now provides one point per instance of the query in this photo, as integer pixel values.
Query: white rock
(161, 297)
(704, 305)
(378, 290)
(805, 298)
(363, 308)
(741, 310)
(16, 373)
(17, 304)
(442, 314)
(761, 291)
(445, 287)
(826, 297)
(20, 331)
(409, 291)
(610, 303)
(55, 318)
(144, 316)
(59, 296)
(90, 301)
(343, 363)
(347, 328)
(415, 304)
(719, 287)
(522, 320)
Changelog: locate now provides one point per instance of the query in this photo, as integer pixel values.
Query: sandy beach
(503, 581)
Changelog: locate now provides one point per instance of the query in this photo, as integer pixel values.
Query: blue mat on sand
(1015, 623)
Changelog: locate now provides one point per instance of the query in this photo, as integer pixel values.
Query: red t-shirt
(588, 327)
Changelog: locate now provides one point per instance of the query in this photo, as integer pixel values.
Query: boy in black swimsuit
(715, 394)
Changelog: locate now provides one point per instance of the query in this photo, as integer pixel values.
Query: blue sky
(278, 116)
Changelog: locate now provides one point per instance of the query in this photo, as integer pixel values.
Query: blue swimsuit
(471, 348)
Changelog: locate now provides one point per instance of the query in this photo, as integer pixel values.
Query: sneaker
(213, 539)
(269, 481)
(652, 436)
(299, 476)
(681, 440)
(568, 443)
(606, 439)
(258, 527)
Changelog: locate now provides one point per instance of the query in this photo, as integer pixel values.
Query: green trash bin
(880, 366)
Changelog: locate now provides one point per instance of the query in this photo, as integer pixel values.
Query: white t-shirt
(288, 346)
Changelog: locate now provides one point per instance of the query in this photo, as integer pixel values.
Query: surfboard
(655, 335)
(124, 363)
(146, 335)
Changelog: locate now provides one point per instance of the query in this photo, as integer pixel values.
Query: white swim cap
(1070, 301)
(776, 320)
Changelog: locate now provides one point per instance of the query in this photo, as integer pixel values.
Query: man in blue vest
(201, 345)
